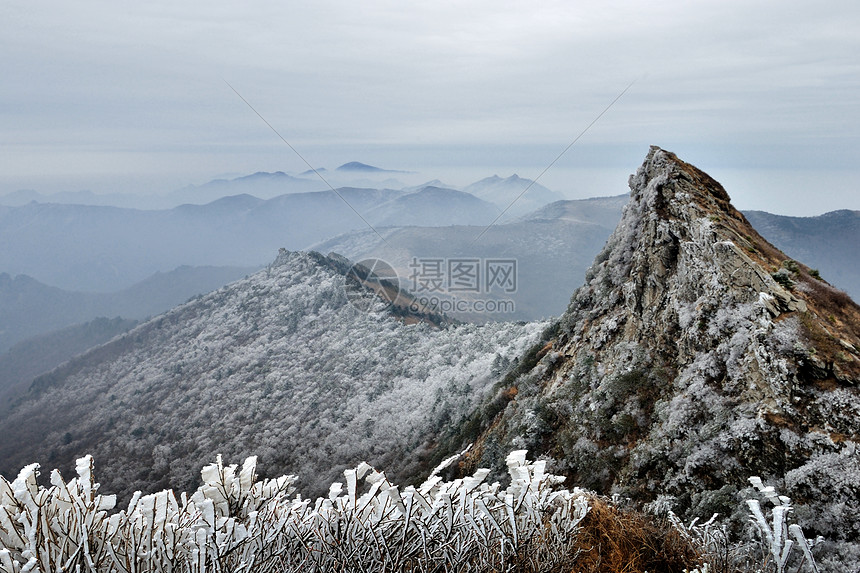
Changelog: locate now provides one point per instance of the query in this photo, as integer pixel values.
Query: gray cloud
(102, 89)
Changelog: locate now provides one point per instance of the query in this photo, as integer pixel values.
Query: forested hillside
(278, 365)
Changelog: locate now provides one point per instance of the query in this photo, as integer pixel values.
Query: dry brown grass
(614, 540)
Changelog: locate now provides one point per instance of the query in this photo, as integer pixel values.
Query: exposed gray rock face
(673, 285)
(696, 356)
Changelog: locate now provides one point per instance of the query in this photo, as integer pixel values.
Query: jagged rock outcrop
(695, 355)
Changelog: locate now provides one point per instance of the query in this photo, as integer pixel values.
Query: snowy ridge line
(278, 365)
(235, 523)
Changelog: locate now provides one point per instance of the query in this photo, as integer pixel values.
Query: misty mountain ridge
(519, 196)
(432, 206)
(569, 231)
(108, 248)
(431, 183)
(313, 172)
(574, 231)
(83, 197)
(267, 185)
(358, 166)
(262, 184)
(29, 308)
(604, 211)
(826, 242)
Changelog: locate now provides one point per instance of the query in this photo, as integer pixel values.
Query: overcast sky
(115, 96)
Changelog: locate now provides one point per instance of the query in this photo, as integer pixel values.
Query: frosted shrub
(781, 542)
(712, 541)
(235, 523)
(778, 537)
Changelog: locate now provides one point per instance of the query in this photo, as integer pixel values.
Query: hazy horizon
(132, 98)
(798, 192)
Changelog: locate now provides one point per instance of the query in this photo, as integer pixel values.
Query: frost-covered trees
(238, 522)
(235, 522)
(278, 365)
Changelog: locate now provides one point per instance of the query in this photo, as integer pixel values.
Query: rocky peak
(684, 269)
(681, 262)
(695, 355)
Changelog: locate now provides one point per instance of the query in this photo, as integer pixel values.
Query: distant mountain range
(363, 167)
(84, 197)
(828, 242)
(553, 247)
(107, 248)
(91, 248)
(514, 195)
(29, 308)
(262, 184)
(431, 206)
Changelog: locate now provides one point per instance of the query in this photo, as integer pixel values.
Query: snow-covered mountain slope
(695, 355)
(37, 355)
(278, 365)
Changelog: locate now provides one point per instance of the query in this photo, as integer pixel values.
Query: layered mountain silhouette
(512, 195)
(263, 185)
(102, 249)
(827, 242)
(364, 167)
(30, 308)
(553, 248)
(243, 220)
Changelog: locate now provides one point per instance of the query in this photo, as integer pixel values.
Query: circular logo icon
(369, 282)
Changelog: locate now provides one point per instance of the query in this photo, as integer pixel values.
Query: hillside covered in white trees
(279, 365)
